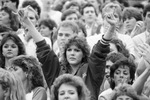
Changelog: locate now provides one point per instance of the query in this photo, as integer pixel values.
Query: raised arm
(138, 85)
(23, 13)
(97, 62)
(50, 62)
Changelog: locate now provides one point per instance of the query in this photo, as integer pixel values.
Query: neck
(74, 68)
(7, 66)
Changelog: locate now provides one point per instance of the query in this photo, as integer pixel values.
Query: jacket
(92, 72)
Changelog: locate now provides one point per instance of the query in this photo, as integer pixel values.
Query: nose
(121, 75)
(66, 96)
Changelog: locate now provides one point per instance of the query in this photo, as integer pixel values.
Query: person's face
(2, 92)
(8, 3)
(147, 21)
(122, 75)
(45, 31)
(113, 48)
(89, 14)
(72, 17)
(67, 92)
(10, 49)
(124, 97)
(31, 16)
(74, 55)
(130, 23)
(4, 18)
(107, 69)
(64, 34)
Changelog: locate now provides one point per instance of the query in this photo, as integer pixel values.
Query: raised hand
(144, 50)
(138, 28)
(112, 18)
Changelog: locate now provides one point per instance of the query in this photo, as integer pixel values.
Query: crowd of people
(74, 50)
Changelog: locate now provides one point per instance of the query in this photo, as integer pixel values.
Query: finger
(146, 45)
(143, 47)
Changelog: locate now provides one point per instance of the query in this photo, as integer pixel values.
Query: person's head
(11, 46)
(32, 15)
(82, 30)
(76, 52)
(65, 31)
(11, 87)
(29, 71)
(130, 16)
(46, 27)
(71, 87)
(146, 15)
(125, 92)
(89, 13)
(13, 4)
(139, 6)
(8, 18)
(73, 5)
(116, 45)
(33, 4)
(70, 14)
(111, 59)
(122, 71)
(114, 7)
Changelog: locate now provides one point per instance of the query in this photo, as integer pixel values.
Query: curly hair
(32, 67)
(117, 64)
(75, 81)
(14, 22)
(125, 89)
(11, 36)
(82, 44)
(10, 81)
(120, 47)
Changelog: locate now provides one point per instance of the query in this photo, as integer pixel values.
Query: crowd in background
(74, 50)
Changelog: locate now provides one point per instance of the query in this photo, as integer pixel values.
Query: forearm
(33, 32)
(140, 81)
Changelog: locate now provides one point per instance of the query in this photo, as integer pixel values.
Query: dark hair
(15, 1)
(120, 47)
(130, 12)
(138, 5)
(82, 27)
(33, 4)
(17, 41)
(14, 22)
(73, 3)
(69, 12)
(125, 89)
(117, 64)
(49, 23)
(72, 80)
(82, 44)
(146, 9)
(113, 57)
(32, 67)
(88, 5)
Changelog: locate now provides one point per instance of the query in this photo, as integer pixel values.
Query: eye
(60, 34)
(14, 46)
(68, 49)
(77, 50)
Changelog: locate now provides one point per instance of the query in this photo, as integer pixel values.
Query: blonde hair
(13, 84)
